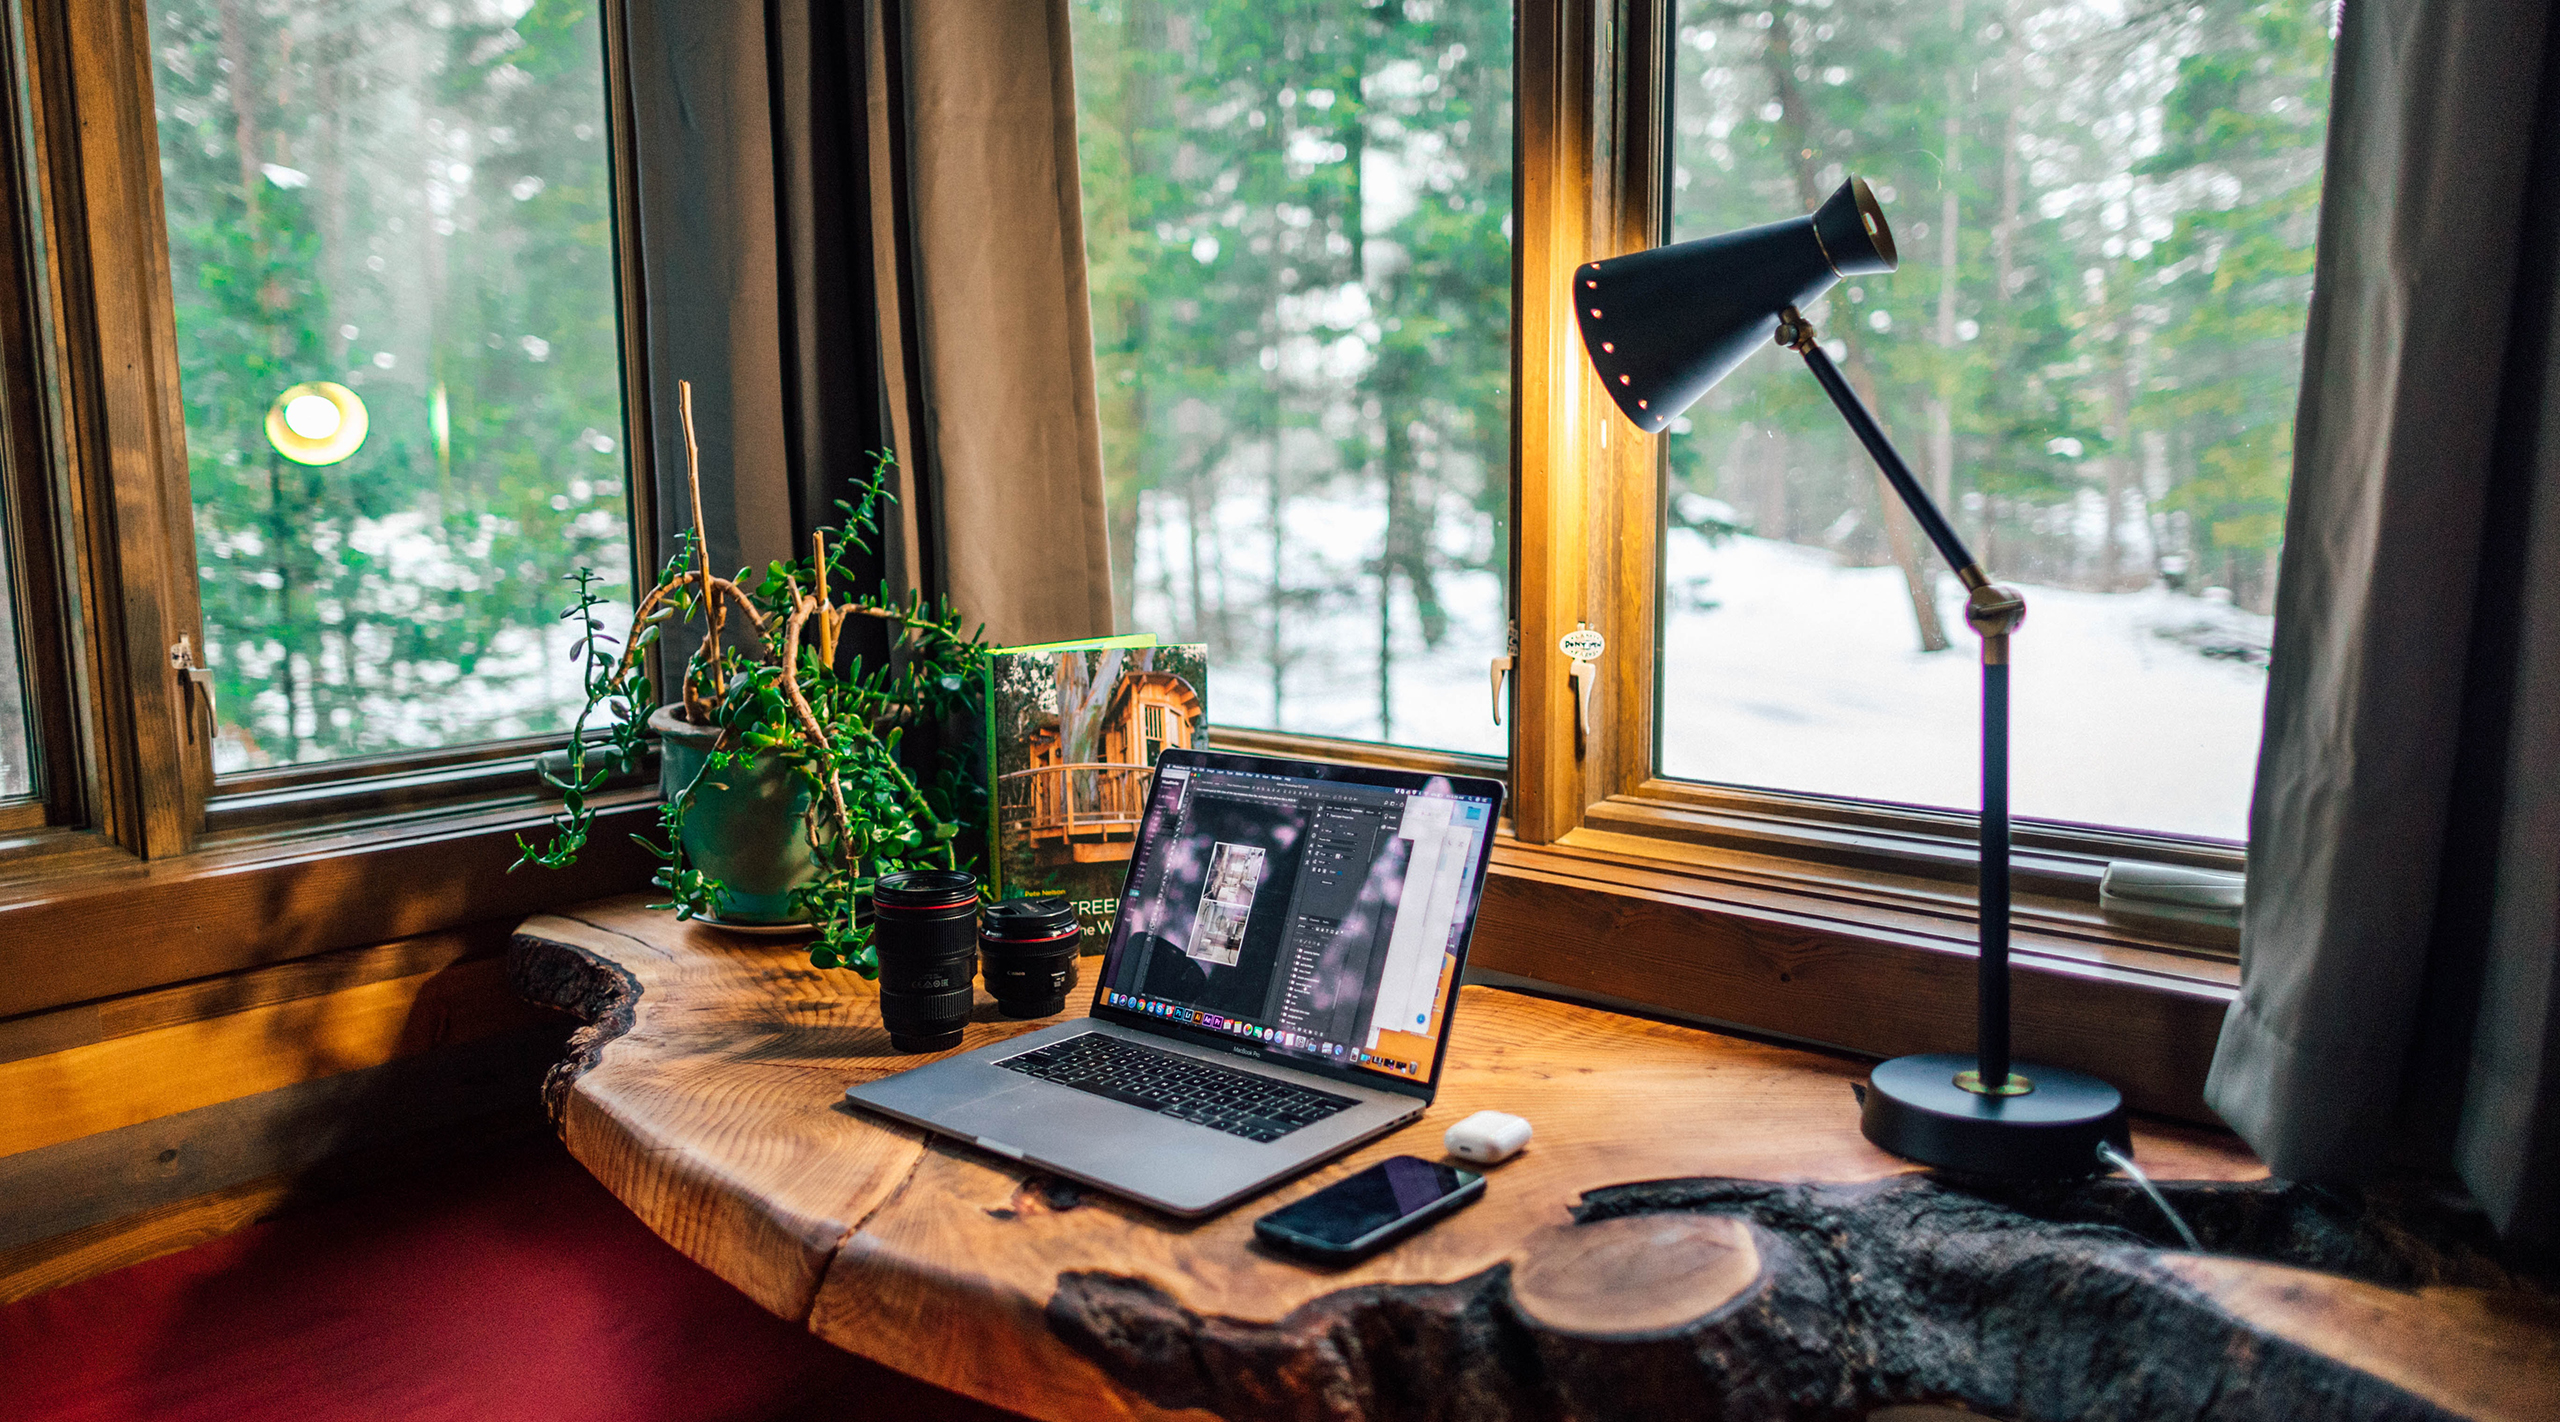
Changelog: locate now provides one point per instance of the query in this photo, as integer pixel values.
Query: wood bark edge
(601, 995)
(2039, 1302)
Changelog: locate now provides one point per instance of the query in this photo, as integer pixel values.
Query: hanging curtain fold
(2397, 997)
(994, 326)
(861, 228)
(703, 167)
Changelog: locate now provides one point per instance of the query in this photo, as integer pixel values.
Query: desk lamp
(1661, 328)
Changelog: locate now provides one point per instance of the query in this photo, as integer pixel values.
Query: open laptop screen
(1320, 919)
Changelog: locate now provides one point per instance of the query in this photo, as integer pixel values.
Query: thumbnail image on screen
(1226, 906)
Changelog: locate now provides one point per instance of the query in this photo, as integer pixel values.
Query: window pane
(2106, 220)
(18, 774)
(1299, 225)
(397, 213)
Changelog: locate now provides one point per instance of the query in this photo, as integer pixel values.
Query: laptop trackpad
(1037, 1116)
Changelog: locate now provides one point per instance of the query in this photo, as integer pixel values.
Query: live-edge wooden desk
(1698, 1231)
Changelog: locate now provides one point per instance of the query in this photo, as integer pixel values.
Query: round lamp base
(2052, 1130)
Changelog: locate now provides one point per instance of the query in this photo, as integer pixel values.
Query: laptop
(1276, 989)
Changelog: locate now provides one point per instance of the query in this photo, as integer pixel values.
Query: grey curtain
(861, 227)
(710, 264)
(980, 212)
(2397, 990)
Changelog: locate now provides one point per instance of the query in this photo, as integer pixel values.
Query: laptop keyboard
(1239, 1103)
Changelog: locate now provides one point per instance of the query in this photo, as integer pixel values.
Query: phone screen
(1348, 1211)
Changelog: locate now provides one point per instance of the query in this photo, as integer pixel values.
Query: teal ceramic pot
(743, 827)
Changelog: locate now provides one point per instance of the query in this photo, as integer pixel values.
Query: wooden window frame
(139, 868)
(324, 795)
(93, 143)
(1598, 472)
(1815, 918)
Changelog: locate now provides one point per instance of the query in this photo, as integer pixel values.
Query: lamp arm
(1796, 334)
(1994, 612)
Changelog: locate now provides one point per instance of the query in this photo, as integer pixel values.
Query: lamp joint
(1972, 1081)
(1994, 610)
(1795, 332)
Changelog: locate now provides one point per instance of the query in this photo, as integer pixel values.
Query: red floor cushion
(507, 1286)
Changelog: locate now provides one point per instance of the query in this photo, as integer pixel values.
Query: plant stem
(701, 548)
(809, 722)
(826, 615)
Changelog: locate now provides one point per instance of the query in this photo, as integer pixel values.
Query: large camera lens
(1029, 946)
(924, 926)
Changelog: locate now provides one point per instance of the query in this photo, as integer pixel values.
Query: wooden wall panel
(138, 1124)
(132, 1239)
(124, 1081)
(155, 925)
(89, 1022)
(101, 1179)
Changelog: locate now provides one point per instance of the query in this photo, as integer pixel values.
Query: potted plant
(783, 755)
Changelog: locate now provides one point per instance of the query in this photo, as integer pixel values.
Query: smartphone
(1353, 1218)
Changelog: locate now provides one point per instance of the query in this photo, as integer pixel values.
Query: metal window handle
(1583, 646)
(1501, 670)
(182, 660)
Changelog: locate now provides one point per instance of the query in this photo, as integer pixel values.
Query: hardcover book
(1073, 734)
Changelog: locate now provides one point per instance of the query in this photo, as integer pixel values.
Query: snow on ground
(523, 682)
(1781, 669)
(1328, 685)
(1805, 675)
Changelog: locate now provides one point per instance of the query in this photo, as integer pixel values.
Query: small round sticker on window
(1582, 644)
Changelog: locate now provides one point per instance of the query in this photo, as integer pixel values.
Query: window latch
(1502, 669)
(1582, 646)
(197, 677)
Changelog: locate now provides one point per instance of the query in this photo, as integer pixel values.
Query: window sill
(1843, 925)
(2061, 863)
(81, 919)
(380, 791)
(1924, 861)
(1849, 959)
(1851, 936)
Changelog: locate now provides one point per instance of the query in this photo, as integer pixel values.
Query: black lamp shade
(1662, 327)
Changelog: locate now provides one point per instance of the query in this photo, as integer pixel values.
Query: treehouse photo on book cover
(1076, 733)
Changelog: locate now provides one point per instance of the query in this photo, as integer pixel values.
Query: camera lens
(1029, 947)
(922, 925)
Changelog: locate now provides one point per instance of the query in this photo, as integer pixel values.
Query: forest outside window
(2091, 351)
(1299, 224)
(19, 764)
(405, 208)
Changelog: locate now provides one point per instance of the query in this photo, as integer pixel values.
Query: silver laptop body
(1293, 920)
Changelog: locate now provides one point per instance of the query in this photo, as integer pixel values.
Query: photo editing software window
(1319, 918)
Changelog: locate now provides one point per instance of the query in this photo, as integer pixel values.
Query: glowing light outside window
(318, 423)
(312, 416)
